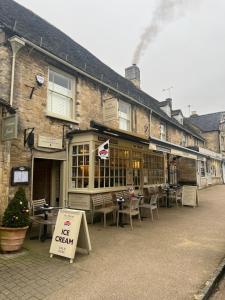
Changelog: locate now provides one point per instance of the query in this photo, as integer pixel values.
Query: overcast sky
(188, 54)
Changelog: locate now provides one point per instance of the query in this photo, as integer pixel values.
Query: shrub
(17, 212)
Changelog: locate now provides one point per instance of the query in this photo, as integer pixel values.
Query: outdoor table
(120, 202)
(46, 209)
(167, 190)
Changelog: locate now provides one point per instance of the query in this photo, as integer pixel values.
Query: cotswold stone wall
(4, 175)
(212, 140)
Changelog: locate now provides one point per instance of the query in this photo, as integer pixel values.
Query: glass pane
(80, 149)
(85, 182)
(86, 148)
(74, 149)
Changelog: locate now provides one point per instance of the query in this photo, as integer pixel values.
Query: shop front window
(202, 169)
(112, 172)
(80, 166)
(153, 169)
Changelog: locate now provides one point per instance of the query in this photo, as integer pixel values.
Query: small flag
(103, 150)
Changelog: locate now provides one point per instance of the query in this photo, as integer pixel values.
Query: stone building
(212, 128)
(66, 102)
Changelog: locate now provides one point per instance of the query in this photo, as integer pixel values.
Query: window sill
(58, 117)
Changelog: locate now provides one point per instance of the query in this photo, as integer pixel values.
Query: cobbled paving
(33, 276)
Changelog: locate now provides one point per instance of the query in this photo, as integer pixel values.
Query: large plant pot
(11, 239)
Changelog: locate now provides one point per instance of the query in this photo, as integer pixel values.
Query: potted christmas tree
(15, 223)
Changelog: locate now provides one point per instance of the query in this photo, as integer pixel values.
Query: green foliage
(17, 213)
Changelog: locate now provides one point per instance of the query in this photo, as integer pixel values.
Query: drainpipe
(16, 45)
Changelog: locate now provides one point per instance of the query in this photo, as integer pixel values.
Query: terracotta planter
(11, 239)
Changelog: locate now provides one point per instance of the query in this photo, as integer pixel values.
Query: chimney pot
(132, 73)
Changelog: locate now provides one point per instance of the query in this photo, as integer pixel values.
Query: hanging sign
(103, 150)
(71, 232)
(9, 127)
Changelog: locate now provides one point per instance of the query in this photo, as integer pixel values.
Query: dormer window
(166, 106)
(177, 115)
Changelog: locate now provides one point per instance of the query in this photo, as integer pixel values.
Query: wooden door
(42, 179)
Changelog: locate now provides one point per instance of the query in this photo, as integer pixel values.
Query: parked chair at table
(151, 206)
(131, 210)
(174, 196)
(37, 217)
(162, 196)
(103, 204)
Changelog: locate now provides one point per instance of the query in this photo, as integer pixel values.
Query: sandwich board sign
(190, 195)
(71, 232)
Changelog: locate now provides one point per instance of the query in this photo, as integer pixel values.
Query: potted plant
(14, 223)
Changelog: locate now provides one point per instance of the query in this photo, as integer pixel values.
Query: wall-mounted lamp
(29, 137)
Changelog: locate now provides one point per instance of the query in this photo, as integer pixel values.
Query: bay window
(60, 94)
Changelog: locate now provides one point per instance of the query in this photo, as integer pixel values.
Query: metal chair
(132, 210)
(152, 205)
(38, 217)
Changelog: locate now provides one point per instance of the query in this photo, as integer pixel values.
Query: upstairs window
(184, 140)
(124, 116)
(60, 94)
(163, 132)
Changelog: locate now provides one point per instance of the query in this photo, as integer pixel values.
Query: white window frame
(70, 95)
(124, 117)
(163, 132)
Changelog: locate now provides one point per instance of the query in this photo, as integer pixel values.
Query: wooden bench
(103, 203)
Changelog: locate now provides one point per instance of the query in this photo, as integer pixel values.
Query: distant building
(212, 128)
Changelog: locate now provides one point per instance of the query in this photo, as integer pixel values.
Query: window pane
(59, 104)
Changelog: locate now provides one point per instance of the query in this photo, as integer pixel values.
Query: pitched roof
(208, 122)
(23, 22)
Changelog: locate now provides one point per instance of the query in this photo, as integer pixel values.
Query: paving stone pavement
(168, 259)
(32, 275)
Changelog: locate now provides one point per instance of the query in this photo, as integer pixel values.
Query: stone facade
(89, 100)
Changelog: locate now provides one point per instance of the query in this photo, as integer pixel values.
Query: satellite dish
(40, 80)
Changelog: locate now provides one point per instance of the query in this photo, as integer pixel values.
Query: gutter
(16, 45)
(99, 81)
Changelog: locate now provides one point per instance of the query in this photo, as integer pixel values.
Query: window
(153, 171)
(113, 171)
(80, 166)
(184, 140)
(163, 132)
(124, 116)
(202, 169)
(60, 94)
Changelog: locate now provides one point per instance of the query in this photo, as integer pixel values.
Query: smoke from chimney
(165, 12)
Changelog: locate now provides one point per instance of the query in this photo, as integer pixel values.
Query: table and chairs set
(44, 216)
(118, 204)
(127, 203)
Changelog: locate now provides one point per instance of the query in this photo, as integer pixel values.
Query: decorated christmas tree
(17, 213)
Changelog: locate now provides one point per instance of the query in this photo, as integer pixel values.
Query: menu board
(71, 232)
(20, 175)
(190, 195)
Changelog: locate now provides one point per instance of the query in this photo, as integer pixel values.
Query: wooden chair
(131, 210)
(152, 205)
(102, 203)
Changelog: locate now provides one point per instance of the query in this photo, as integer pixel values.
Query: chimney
(133, 74)
(194, 113)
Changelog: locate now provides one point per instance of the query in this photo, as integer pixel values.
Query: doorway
(46, 180)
